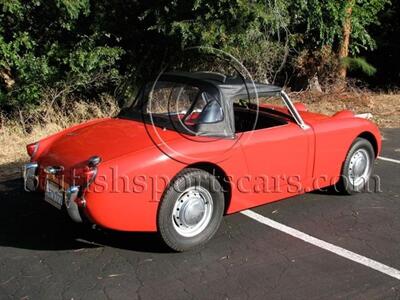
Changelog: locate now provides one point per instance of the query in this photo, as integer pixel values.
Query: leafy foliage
(321, 22)
(320, 26)
(47, 44)
(359, 63)
(89, 47)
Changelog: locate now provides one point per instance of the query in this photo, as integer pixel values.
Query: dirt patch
(34, 125)
(385, 108)
(13, 152)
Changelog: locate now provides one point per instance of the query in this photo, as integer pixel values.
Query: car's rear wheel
(191, 210)
(358, 167)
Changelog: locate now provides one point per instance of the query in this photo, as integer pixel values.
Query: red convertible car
(193, 147)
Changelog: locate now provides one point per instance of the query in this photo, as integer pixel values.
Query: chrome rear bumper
(29, 173)
(71, 194)
(31, 182)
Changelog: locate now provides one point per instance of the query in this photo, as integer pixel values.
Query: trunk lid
(109, 139)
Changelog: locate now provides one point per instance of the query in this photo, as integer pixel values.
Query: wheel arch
(221, 176)
(370, 137)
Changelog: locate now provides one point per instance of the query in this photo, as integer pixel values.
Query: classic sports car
(193, 147)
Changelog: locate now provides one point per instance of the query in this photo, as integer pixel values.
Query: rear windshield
(176, 104)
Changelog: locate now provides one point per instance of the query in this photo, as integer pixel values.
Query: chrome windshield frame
(293, 111)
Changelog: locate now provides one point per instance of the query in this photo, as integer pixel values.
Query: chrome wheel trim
(359, 167)
(192, 211)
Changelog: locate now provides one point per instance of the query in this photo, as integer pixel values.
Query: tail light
(90, 171)
(32, 149)
(94, 161)
(89, 175)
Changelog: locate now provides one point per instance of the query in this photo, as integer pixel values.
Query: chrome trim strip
(293, 111)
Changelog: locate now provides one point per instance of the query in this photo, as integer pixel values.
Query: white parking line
(389, 159)
(370, 263)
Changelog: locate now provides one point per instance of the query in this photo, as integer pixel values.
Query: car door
(279, 158)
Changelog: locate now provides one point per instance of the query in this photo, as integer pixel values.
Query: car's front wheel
(191, 210)
(358, 167)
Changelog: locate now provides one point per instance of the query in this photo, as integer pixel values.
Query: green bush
(46, 44)
(88, 48)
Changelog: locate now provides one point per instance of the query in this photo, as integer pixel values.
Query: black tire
(185, 185)
(347, 185)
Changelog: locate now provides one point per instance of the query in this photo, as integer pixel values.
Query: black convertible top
(223, 89)
(226, 90)
(230, 87)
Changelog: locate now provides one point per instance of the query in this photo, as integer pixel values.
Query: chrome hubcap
(192, 211)
(359, 167)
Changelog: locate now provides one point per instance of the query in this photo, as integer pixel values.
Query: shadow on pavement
(11, 170)
(28, 222)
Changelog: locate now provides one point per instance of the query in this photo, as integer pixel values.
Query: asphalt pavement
(43, 255)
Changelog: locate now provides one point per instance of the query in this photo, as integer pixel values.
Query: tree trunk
(346, 30)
